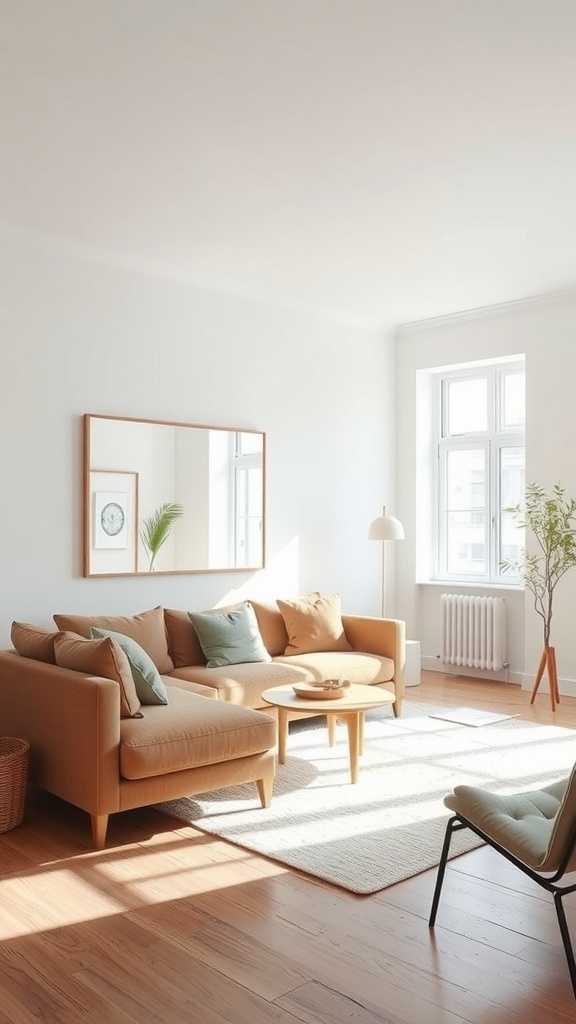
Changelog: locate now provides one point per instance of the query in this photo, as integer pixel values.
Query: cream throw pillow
(103, 658)
(314, 623)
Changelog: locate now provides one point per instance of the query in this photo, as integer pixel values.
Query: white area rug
(390, 825)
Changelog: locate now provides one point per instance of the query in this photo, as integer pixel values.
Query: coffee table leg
(360, 733)
(282, 734)
(353, 723)
(331, 722)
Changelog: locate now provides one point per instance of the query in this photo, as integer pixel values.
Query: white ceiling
(385, 160)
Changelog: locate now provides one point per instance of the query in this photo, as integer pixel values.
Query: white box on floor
(413, 663)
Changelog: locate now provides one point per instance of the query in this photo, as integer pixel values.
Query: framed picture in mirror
(114, 500)
(191, 501)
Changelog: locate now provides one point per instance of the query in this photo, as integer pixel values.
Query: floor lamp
(385, 528)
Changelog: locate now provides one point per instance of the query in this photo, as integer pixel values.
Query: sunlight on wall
(280, 578)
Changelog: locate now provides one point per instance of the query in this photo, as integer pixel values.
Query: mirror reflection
(165, 497)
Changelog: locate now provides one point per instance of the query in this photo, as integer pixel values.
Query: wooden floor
(170, 925)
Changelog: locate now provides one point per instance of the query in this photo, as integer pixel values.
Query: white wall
(545, 330)
(81, 336)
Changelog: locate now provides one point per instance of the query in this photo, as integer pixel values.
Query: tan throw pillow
(102, 658)
(183, 643)
(271, 626)
(147, 629)
(314, 623)
(33, 641)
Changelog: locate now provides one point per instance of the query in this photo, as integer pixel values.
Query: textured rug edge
(469, 841)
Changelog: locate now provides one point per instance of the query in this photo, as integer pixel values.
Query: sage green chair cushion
(229, 637)
(522, 823)
(147, 680)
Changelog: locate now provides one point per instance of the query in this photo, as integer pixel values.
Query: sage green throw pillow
(229, 637)
(147, 679)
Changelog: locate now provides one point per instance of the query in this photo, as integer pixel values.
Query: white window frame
(243, 461)
(492, 441)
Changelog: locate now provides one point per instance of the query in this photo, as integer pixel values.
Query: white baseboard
(566, 685)
(517, 678)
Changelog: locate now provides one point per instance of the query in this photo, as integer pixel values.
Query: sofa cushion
(314, 623)
(33, 641)
(102, 658)
(238, 684)
(271, 626)
(229, 636)
(185, 684)
(147, 679)
(147, 629)
(244, 684)
(190, 732)
(351, 665)
(183, 644)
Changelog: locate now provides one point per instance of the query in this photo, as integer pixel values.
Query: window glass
(241, 552)
(466, 511)
(241, 491)
(466, 478)
(254, 492)
(254, 540)
(511, 494)
(250, 444)
(467, 405)
(467, 548)
(513, 411)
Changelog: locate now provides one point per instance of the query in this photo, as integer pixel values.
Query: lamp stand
(383, 582)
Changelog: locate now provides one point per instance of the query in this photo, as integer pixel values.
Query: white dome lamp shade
(385, 528)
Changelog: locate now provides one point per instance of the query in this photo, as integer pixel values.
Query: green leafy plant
(156, 529)
(551, 518)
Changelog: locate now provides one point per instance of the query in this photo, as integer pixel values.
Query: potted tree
(551, 518)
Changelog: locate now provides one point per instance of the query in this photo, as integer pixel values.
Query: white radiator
(474, 631)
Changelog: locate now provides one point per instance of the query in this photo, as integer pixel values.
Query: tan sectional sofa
(377, 656)
(210, 735)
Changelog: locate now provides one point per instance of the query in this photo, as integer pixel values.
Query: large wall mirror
(164, 497)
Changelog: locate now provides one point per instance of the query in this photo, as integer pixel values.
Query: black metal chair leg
(566, 938)
(441, 871)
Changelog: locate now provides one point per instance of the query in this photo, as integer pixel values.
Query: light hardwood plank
(314, 1003)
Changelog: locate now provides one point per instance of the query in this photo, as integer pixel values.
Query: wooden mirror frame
(87, 419)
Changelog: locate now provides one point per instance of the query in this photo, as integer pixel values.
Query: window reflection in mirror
(165, 497)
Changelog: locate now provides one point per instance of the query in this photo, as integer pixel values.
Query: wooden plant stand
(547, 663)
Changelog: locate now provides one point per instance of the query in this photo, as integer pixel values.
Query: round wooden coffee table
(357, 699)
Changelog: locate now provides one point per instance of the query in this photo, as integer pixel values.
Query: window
(479, 455)
(247, 463)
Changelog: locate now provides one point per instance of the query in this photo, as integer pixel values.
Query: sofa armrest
(386, 637)
(72, 722)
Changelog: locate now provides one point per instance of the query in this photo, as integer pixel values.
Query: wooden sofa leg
(265, 787)
(99, 824)
(397, 708)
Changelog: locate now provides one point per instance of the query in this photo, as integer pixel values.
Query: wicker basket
(14, 759)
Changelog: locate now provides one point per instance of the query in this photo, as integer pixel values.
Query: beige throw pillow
(104, 658)
(314, 623)
(147, 629)
(33, 641)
